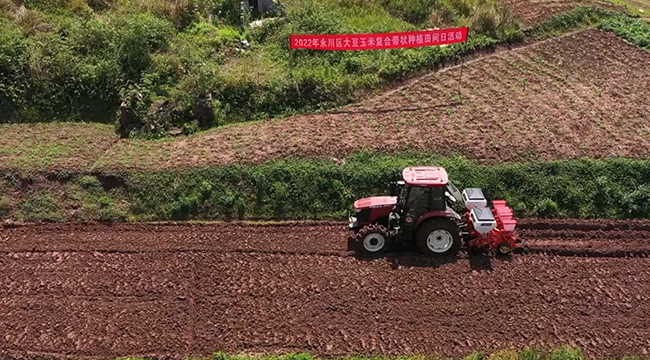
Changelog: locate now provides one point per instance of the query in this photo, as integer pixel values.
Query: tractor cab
(425, 209)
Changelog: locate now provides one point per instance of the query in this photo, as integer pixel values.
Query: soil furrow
(185, 290)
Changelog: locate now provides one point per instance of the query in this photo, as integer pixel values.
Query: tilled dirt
(179, 290)
(532, 12)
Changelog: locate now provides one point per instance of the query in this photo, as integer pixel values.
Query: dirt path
(82, 291)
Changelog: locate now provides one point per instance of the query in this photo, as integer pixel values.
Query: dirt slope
(574, 96)
(121, 290)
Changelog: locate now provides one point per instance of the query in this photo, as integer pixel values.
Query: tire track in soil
(175, 291)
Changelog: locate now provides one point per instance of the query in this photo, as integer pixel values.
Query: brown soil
(165, 290)
(535, 11)
(568, 97)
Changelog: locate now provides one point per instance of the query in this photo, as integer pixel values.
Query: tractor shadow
(484, 261)
(407, 257)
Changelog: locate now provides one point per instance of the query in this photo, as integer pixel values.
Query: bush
(14, 57)
(139, 36)
(315, 189)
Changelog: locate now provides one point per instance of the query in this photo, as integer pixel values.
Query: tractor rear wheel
(438, 237)
(374, 239)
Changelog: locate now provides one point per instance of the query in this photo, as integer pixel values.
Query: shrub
(139, 36)
(637, 203)
(547, 208)
(316, 189)
(14, 57)
(89, 182)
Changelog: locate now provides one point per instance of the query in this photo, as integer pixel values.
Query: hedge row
(616, 188)
(312, 189)
(579, 17)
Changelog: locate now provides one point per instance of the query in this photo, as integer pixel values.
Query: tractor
(426, 209)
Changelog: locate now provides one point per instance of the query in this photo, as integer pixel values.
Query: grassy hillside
(183, 63)
(572, 89)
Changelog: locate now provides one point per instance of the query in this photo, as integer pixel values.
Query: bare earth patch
(580, 95)
(169, 292)
(535, 11)
(69, 146)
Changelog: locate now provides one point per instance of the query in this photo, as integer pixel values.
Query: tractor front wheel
(439, 237)
(374, 239)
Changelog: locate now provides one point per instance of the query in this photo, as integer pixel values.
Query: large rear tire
(374, 239)
(438, 237)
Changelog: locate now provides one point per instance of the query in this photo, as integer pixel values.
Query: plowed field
(579, 95)
(535, 11)
(167, 290)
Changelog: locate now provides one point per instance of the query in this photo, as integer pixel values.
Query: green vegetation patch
(633, 30)
(579, 17)
(640, 8)
(182, 66)
(41, 206)
(560, 353)
(55, 145)
(614, 188)
(630, 28)
(317, 189)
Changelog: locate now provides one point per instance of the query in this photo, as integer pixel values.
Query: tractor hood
(375, 201)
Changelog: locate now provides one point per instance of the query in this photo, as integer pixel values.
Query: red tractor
(430, 212)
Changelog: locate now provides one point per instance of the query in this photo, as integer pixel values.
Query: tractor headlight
(353, 222)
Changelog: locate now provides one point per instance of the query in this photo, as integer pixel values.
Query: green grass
(41, 206)
(640, 8)
(54, 145)
(580, 17)
(560, 353)
(316, 189)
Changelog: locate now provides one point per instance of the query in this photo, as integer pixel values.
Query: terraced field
(585, 91)
(573, 96)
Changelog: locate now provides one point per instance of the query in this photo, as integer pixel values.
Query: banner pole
(460, 79)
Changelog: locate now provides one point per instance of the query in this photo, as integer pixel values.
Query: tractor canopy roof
(426, 176)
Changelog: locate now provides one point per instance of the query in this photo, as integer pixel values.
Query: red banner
(380, 41)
